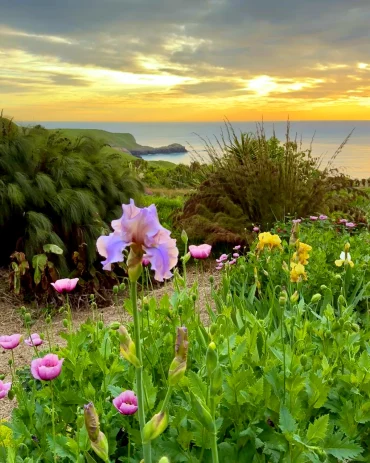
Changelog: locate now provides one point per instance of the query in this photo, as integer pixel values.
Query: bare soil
(11, 322)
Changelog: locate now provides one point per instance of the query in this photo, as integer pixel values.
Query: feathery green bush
(57, 190)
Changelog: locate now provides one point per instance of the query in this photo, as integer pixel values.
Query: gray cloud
(236, 38)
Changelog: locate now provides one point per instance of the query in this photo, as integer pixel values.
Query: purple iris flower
(140, 229)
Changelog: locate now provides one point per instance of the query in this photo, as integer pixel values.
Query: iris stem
(214, 434)
(139, 372)
(166, 399)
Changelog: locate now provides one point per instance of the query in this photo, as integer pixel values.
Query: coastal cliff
(170, 149)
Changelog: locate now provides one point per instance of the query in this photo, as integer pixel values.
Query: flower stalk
(139, 373)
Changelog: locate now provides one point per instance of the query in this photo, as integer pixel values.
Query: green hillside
(123, 140)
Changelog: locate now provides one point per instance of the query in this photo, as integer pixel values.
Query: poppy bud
(211, 358)
(178, 364)
(155, 427)
(114, 326)
(211, 279)
(2, 377)
(27, 317)
(164, 460)
(122, 287)
(48, 319)
(100, 324)
(92, 297)
(127, 347)
(194, 297)
(115, 289)
(65, 323)
(11, 394)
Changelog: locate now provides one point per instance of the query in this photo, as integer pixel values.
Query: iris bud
(155, 427)
(184, 237)
(178, 364)
(316, 298)
(294, 297)
(211, 358)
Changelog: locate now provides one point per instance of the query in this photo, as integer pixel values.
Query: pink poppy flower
(256, 229)
(200, 252)
(235, 254)
(222, 258)
(140, 229)
(236, 248)
(34, 340)
(313, 217)
(4, 389)
(46, 368)
(219, 267)
(350, 225)
(65, 285)
(297, 220)
(10, 342)
(342, 220)
(232, 262)
(323, 217)
(126, 403)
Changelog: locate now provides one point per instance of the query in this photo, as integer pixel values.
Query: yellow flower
(297, 273)
(345, 258)
(302, 255)
(268, 239)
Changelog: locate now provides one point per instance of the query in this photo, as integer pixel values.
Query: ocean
(353, 160)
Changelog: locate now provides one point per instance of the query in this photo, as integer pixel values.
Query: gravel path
(10, 323)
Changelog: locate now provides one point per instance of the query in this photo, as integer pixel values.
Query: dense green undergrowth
(291, 350)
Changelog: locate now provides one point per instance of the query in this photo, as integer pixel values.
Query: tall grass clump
(256, 180)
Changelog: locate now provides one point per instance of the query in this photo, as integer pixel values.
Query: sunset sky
(184, 60)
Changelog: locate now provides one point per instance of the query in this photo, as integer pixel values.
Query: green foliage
(255, 180)
(61, 192)
(293, 374)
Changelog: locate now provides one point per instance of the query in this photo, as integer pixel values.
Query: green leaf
(150, 390)
(287, 423)
(317, 391)
(317, 431)
(60, 446)
(38, 263)
(197, 386)
(52, 248)
(343, 449)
